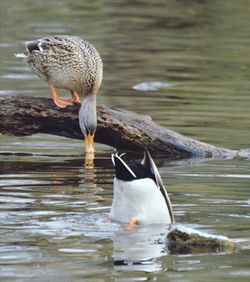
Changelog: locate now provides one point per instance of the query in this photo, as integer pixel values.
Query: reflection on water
(153, 86)
(186, 64)
(53, 211)
(138, 249)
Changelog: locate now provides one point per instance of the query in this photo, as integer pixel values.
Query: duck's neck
(87, 114)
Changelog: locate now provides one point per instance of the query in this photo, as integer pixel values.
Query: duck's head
(88, 121)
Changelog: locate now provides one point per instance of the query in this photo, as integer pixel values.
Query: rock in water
(183, 239)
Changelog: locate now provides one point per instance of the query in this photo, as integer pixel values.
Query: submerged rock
(183, 239)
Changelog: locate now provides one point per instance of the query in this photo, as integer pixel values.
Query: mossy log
(23, 116)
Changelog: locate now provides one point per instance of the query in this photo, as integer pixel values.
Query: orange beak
(89, 144)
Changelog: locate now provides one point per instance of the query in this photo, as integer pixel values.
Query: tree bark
(22, 116)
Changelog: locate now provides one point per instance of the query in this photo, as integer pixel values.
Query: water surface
(193, 60)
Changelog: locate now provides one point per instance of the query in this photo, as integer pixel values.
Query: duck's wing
(44, 54)
(148, 162)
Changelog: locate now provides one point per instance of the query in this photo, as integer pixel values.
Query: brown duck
(71, 63)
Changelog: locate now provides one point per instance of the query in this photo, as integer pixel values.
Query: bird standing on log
(70, 63)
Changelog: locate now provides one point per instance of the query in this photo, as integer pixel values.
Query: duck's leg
(59, 102)
(75, 97)
(133, 221)
(132, 224)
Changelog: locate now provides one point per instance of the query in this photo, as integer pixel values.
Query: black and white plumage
(139, 194)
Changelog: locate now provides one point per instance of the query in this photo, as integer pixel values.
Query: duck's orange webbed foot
(75, 97)
(132, 223)
(61, 103)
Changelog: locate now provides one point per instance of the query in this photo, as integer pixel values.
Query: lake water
(53, 212)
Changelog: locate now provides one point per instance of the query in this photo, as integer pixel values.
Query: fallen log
(23, 116)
